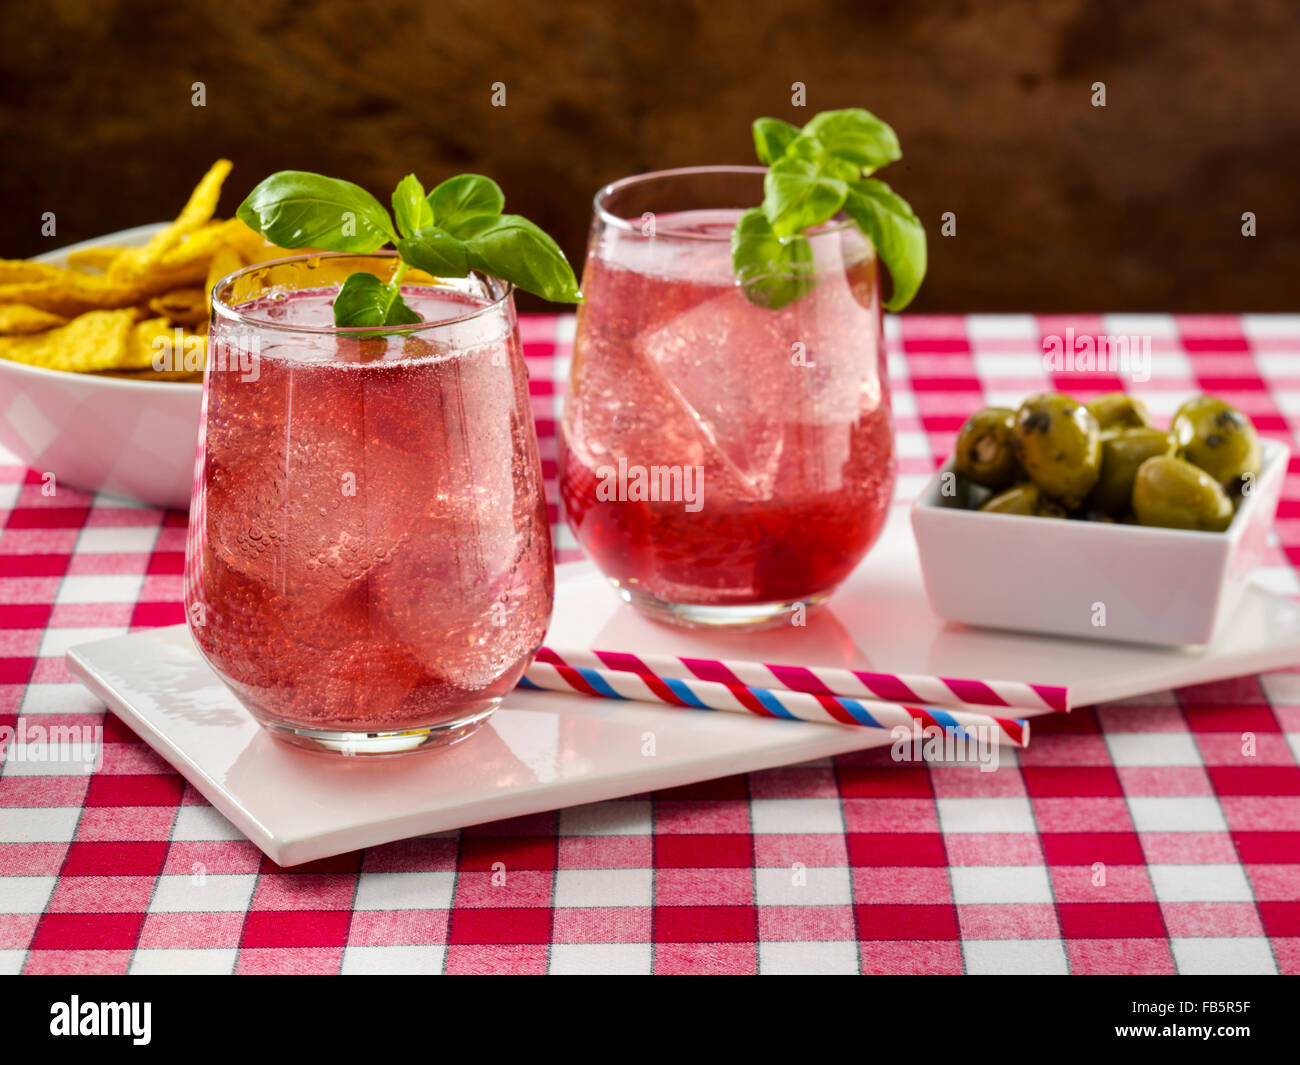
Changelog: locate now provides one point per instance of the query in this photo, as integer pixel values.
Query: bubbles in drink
(787, 411)
(371, 544)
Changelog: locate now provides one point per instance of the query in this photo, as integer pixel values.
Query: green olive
(1024, 499)
(1216, 437)
(961, 493)
(1177, 495)
(1115, 410)
(1122, 452)
(1059, 445)
(983, 453)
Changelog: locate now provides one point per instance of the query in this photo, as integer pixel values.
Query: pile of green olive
(1105, 461)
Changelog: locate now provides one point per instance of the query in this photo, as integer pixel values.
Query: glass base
(345, 744)
(747, 617)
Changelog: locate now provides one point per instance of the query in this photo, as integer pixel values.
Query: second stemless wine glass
(723, 463)
(369, 560)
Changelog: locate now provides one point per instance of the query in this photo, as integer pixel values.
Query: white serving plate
(544, 751)
(1093, 580)
(103, 434)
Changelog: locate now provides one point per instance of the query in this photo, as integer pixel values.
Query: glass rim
(609, 218)
(228, 313)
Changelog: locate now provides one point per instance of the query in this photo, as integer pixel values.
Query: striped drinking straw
(822, 708)
(857, 684)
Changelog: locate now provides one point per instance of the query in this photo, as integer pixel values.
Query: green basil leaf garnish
(451, 230)
(771, 138)
(436, 251)
(798, 194)
(410, 207)
(855, 136)
(298, 209)
(813, 174)
(365, 300)
(512, 248)
(896, 232)
(773, 271)
(465, 197)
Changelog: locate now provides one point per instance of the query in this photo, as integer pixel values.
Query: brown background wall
(1059, 205)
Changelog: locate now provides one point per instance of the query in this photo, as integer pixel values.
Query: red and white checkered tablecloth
(1134, 838)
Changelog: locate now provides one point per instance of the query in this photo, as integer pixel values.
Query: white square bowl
(1094, 580)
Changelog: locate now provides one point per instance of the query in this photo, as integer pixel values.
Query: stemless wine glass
(369, 560)
(725, 461)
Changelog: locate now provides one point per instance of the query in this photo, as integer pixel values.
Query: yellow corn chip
(198, 211)
(158, 345)
(98, 340)
(97, 258)
(251, 245)
(199, 246)
(268, 253)
(226, 261)
(71, 294)
(135, 313)
(182, 306)
(23, 271)
(22, 318)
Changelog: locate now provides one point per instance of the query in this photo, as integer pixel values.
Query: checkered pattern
(1158, 836)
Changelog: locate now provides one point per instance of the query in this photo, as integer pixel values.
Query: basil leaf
(896, 232)
(462, 198)
(855, 136)
(771, 138)
(797, 194)
(512, 248)
(297, 209)
(840, 168)
(772, 270)
(364, 300)
(410, 207)
(436, 251)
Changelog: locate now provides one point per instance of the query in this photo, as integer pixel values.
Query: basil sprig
(813, 174)
(456, 228)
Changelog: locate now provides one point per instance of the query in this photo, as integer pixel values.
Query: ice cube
(280, 509)
(746, 375)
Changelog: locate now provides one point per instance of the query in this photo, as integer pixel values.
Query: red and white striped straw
(740, 698)
(853, 683)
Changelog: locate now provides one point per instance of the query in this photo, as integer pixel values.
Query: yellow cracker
(24, 271)
(158, 345)
(71, 295)
(70, 292)
(197, 212)
(182, 306)
(251, 245)
(97, 258)
(226, 261)
(198, 247)
(22, 318)
(99, 340)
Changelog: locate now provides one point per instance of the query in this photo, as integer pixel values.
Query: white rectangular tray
(544, 751)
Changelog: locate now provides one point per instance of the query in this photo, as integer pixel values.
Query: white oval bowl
(134, 439)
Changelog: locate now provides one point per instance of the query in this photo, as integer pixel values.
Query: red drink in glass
(369, 566)
(783, 414)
